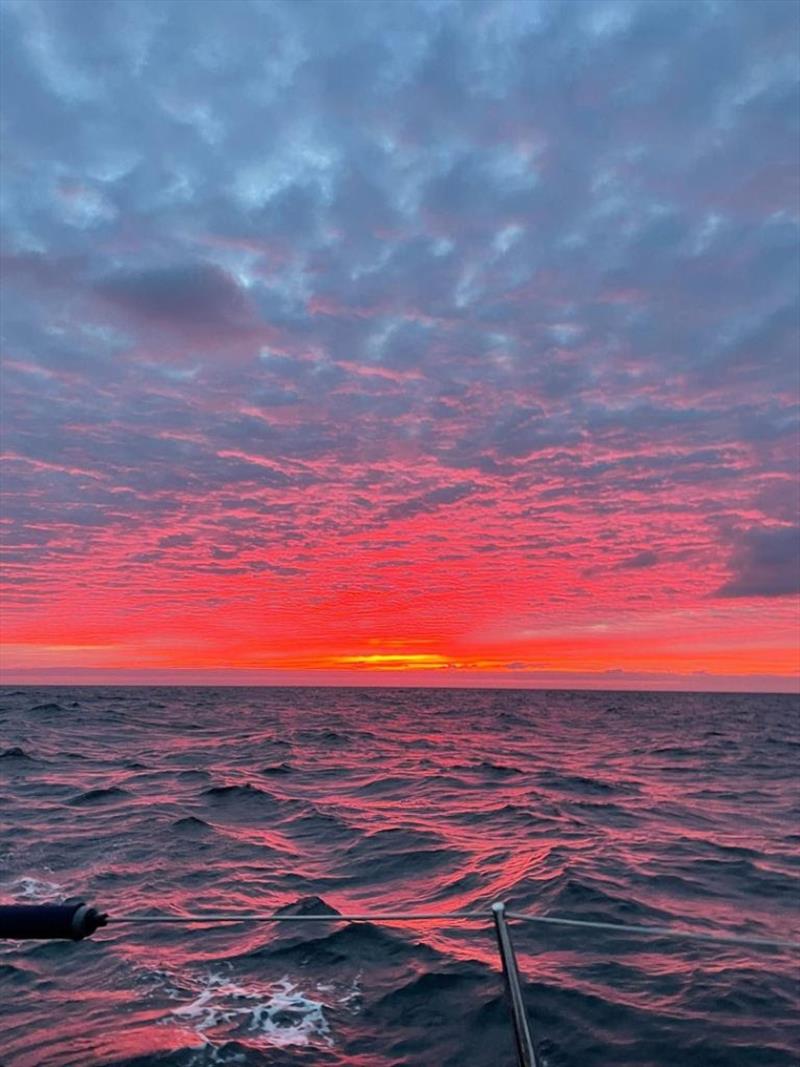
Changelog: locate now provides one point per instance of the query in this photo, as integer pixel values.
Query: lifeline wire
(660, 931)
(244, 918)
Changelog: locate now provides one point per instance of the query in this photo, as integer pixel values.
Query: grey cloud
(646, 558)
(764, 562)
(431, 501)
(197, 296)
(176, 541)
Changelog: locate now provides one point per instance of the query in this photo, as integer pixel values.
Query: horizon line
(282, 678)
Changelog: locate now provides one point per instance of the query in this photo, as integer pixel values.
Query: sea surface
(667, 809)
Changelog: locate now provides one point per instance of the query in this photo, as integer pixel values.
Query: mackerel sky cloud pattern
(426, 337)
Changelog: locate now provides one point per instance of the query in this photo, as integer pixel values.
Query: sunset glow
(424, 343)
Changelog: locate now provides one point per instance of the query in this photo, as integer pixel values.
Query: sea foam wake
(637, 808)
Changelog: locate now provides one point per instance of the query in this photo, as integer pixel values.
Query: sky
(410, 342)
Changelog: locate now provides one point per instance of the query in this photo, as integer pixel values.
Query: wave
(320, 827)
(192, 776)
(355, 945)
(191, 826)
(487, 768)
(584, 901)
(240, 795)
(308, 906)
(382, 799)
(574, 784)
(110, 794)
(16, 754)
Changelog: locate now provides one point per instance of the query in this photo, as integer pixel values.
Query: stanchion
(526, 1053)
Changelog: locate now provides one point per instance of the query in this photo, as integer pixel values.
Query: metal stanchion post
(526, 1053)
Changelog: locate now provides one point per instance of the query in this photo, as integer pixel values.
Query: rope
(411, 917)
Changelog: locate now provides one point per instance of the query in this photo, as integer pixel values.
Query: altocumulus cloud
(520, 276)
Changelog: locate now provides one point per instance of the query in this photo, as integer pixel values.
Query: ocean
(646, 808)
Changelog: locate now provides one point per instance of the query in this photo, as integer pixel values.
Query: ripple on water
(663, 809)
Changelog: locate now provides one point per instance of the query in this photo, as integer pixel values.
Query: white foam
(26, 888)
(352, 999)
(291, 1018)
(278, 1014)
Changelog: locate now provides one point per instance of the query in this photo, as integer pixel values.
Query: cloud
(195, 297)
(765, 562)
(646, 558)
(433, 500)
(280, 285)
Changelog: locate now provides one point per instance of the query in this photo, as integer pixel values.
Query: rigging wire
(411, 917)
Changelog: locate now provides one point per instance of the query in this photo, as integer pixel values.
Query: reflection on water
(654, 808)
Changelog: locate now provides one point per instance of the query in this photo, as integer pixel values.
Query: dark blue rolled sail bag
(44, 922)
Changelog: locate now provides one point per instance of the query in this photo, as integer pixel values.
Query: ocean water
(624, 807)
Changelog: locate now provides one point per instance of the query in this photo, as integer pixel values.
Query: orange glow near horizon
(431, 381)
(700, 639)
(419, 598)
